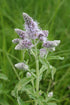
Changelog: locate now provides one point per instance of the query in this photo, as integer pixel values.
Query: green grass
(53, 15)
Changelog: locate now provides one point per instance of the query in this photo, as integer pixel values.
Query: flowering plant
(35, 41)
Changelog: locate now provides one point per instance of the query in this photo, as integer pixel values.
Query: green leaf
(30, 91)
(3, 76)
(1, 88)
(42, 60)
(3, 102)
(53, 72)
(20, 102)
(56, 57)
(43, 68)
(51, 103)
(20, 86)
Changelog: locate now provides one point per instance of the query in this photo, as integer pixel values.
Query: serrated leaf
(3, 76)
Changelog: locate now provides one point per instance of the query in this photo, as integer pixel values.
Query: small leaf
(3, 76)
(43, 68)
(42, 60)
(53, 72)
(51, 103)
(56, 57)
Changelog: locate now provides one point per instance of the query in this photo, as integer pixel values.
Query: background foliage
(53, 15)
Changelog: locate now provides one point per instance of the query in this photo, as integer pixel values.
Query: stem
(37, 73)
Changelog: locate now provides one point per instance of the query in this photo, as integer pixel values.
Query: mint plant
(35, 41)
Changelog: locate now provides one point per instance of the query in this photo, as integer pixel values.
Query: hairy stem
(37, 73)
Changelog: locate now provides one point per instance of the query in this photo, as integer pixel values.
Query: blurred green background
(53, 15)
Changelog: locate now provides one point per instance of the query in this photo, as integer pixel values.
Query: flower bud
(28, 74)
(50, 94)
(21, 66)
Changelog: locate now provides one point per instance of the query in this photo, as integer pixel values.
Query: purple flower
(32, 31)
(42, 35)
(31, 26)
(21, 33)
(50, 44)
(15, 40)
(23, 44)
(45, 33)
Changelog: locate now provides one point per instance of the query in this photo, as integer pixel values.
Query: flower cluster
(33, 32)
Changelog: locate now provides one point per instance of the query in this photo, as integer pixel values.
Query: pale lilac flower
(15, 40)
(21, 33)
(43, 52)
(46, 32)
(21, 66)
(33, 32)
(23, 44)
(31, 26)
(28, 74)
(42, 35)
(50, 94)
(50, 44)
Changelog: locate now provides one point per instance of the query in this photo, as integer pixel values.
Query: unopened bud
(50, 94)
(21, 66)
(28, 74)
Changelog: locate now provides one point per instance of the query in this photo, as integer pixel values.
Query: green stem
(37, 73)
